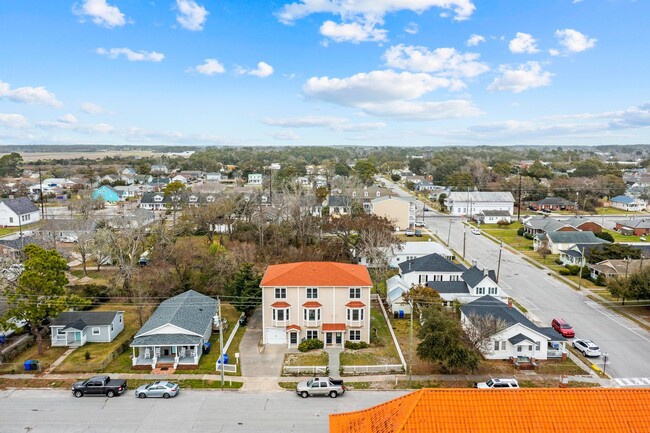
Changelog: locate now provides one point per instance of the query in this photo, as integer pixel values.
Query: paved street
(545, 297)
(197, 411)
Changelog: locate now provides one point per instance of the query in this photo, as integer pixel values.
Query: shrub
(87, 355)
(520, 231)
(600, 281)
(529, 236)
(311, 344)
(504, 223)
(356, 345)
(558, 262)
(395, 177)
(573, 269)
(606, 236)
(565, 272)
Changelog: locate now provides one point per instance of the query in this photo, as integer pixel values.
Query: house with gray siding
(175, 333)
(76, 328)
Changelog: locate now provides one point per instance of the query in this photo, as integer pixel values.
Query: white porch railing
(357, 369)
(299, 369)
(551, 353)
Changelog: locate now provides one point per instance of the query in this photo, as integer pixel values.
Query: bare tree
(482, 328)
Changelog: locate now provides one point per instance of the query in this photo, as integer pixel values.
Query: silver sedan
(158, 389)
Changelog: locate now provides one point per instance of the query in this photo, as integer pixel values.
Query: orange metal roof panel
(328, 327)
(318, 274)
(312, 304)
(535, 410)
(355, 304)
(293, 328)
(280, 304)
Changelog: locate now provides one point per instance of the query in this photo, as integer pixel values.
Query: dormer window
(194, 199)
(365, 193)
(378, 193)
(158, 198)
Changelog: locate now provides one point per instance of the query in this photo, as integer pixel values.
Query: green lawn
(100, 353)
(618, 237)
(424, 238)
(314, 357)
(50, 354)
(382, 350)
(508, 235)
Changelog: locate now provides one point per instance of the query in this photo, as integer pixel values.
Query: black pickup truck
(99, 385)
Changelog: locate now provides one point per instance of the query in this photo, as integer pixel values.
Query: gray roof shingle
(430, 263)
(89, 318)
(190, 310)
(575, 238)
(20, 205)
(449, 287)
(165, 340)
(474, 275)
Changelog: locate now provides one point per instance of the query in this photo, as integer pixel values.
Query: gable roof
(636, 224)
(490, 306)
(20, 205)
(87, 318)
(578, 221)
(190, 310)
(322, 274)
(448, 287)
(430, 263)
(557, 201)
(545, 224)
(481, 196)
(474, 275)
(496, 213)
(575, 238)
(533, 410)
(623, 199)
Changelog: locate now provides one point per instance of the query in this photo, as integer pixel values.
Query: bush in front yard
(520, 231)
(356, 345)
(310, 344)
(565, 272)
(573, 269)
(529, 236)
(558, 261)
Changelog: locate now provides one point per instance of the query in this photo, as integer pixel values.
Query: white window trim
(97, 331)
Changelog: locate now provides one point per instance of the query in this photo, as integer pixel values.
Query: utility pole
(499, 262)
(581, 266)
(464, 239)
(519, 199)
(411, 345)
(221, 357)
(449, 232)
(40, 180)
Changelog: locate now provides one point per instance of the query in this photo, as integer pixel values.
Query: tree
(40, 293)
(441, 201)
(9, 165)
(175, 190)
(244, 289)
(341, 169)
(441, 340)
(544, 252)
(460, 180)
(502, 169)
(421, 297)
(539, 171)
(365, 171)
(613, 252)
(482, 330)
(417, 165)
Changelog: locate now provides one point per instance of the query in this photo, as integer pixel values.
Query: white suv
(498, 384)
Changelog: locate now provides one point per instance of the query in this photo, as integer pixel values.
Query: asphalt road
(627, 345)
(57, 411)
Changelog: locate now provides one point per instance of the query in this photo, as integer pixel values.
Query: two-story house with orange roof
(328, 301)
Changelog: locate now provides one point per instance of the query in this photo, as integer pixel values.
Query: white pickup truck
(321, 386)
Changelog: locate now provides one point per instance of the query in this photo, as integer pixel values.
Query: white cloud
(284, 135)
(360, 18)
(131, 56)
(524, 77)
(332, 123)
(29, 95)
(191, 16)
(263, 70)
(474, 40)
(573, 41)
(14, 121)
(523, 43)
(412, 28)
(391, 94)
(209, 67)
(444, 61)
(90, 108)
(554, 52)
(100, 13)
(68, 118)
(353, 32)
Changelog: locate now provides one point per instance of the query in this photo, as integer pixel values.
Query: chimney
(509, 302)
(474, 262)
(485, 272)
(409, 265)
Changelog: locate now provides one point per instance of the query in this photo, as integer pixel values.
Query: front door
(77, 336)
(339, 338)
(293, 338)
(328, 338)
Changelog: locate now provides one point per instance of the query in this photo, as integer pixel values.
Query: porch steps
(164, 368)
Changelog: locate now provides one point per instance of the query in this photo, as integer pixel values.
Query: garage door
(276, 336)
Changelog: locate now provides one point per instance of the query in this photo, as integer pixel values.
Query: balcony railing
(280, 323)
(312, 323)
(354, 323)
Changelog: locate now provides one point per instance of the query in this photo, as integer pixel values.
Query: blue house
(108, 194)
(627, 203)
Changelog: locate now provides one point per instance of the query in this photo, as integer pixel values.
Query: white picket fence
(302, 369)
(361, 369)
(227, 368)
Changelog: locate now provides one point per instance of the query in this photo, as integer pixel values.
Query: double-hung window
(355, 293)
(311, 314)
(280, 293)
(312, 293)
(355, 314)
(355, 335)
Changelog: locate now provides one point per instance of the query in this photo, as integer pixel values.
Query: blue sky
(323, 72)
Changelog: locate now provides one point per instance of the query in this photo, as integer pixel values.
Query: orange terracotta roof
(318, 274)
(533, 410)
(312, 304)
(293, 328)
(355, 304)
(328, 327)
(280, 304)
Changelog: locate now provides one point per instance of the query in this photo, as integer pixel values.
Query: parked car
(561, 326)
(321, 386)
(497, 384)
(99, 385)
(409, 232)
(587, 347)
(419, 224)
(476, 231)
(161, 388)
(418, 233)
(243, 320)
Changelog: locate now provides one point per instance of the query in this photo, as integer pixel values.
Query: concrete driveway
(256, 360)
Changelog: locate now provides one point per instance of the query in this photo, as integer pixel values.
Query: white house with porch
(517, 337)
(76, 328)
(175, 333)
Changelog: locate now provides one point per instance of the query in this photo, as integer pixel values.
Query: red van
(561, 326)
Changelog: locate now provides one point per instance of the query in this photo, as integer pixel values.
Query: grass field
(618, 237)
(315, 357)
(381, 351)
(50, 354)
